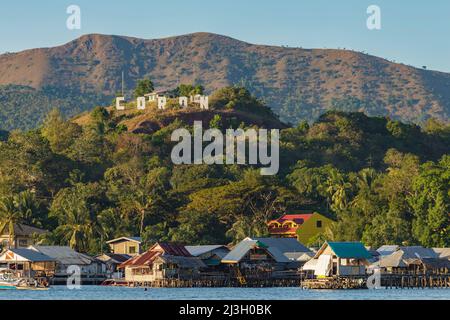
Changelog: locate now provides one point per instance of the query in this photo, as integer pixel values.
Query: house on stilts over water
(163, 261)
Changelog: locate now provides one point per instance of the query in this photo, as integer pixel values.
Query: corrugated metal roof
(394, 260)
(183, 262)
(196, 251)
(144, 259)
(444, 253)
(25, 230)
(276, 247)
(433, 263)
(113, 257)
(278, 255)
(299, 256)
(347, 250)
(239, 251)
(418, 252)
(31, 255)
(154, 252)
(387, 249)
(174, 249)
(64, 255)
(158, 91)
(284, 244)
(134, 239)
(412, 256)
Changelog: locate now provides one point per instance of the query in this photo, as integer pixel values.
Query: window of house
(319, 224)
(132, 250)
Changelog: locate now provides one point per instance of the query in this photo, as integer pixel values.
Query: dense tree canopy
(143, 87)
(383, 182)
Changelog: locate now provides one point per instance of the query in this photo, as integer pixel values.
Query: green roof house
(340, 259)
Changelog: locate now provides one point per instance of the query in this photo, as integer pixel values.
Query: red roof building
(162, 261)
(287, 225)
(158, 249)
(304, 227)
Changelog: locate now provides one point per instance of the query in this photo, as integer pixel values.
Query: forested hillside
(94, 178)
(23, 107)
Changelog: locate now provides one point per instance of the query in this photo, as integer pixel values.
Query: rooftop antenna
(195, 74)
(123, 83)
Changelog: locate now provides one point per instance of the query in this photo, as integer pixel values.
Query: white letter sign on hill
(162, 103)
(204, 102)
(118, 103)
(141, 103)
(183, 101)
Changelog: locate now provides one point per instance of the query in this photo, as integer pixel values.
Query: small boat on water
(23, 284)
(8, 284)
(7, 287)
(8, 281)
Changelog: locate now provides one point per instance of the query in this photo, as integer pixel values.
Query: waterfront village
(278, 260)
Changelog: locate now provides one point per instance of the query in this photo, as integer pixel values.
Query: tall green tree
(9, 217)
(17, 209)
(60, 133)
(143, 87)
(430, 201)
(75, 209)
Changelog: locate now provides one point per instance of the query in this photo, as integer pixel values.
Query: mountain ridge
(298, 84)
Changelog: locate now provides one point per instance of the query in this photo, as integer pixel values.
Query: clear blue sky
(413, 32)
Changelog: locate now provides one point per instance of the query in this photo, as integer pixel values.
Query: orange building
(301, 226)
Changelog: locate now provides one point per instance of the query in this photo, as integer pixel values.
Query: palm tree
(26, 204)
(142, 204)
(364, 182)
(338, 189)
(9, 217)
(240, 229)
(145, 197)
(76, 227)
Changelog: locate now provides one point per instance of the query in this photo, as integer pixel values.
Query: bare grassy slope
(296, 83)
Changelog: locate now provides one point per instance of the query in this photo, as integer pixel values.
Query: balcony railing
(282, 230)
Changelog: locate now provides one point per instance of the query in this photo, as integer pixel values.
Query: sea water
(122, 293)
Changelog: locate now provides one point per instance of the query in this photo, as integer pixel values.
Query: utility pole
(123, 83)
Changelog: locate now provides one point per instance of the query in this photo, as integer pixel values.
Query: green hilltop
(105, 174)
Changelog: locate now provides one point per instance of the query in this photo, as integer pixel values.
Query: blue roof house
(341, 259)
(27, 262)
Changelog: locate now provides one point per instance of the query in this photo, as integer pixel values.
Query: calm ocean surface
(117, 293)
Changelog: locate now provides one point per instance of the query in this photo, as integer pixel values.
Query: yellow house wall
(124, 247)
(17, 241)
(309, 229)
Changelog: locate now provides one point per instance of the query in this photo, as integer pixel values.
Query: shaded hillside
(373, 176)
(25, 107)
(151, 121)
(298, 84)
